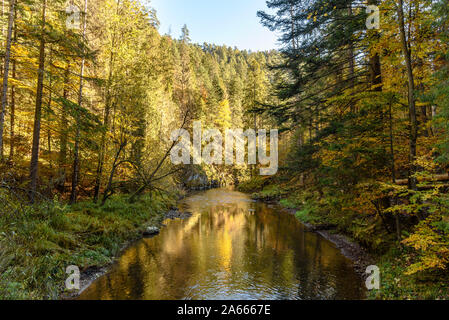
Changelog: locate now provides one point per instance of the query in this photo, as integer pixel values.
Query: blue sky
(229, 22)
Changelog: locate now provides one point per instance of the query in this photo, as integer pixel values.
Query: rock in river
(176, 214)
(151, 231)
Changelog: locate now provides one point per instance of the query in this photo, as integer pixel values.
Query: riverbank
(356, 241)
(38, 245)
(94, 273)
(348, 247)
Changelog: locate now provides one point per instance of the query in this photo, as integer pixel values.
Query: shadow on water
(231, 248)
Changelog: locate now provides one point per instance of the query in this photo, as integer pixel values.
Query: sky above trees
(231, 22)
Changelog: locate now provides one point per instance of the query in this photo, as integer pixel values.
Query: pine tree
(7, 60)
(38, 111)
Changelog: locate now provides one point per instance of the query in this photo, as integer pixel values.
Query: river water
(231, 248)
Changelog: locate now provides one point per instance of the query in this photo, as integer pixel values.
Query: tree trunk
(393, 167)
(38, 112)
(76, 161)
(375, 66)
(1, 38)
(398, 228)
(63, 133)
(411, 97)
(376, 72)
(12, 116)
(50, 97)
(13, 101)
(351, 61)
(4, 93)
(107, 112)
(109, 191)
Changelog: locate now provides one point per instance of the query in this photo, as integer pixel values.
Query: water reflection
(232, 248)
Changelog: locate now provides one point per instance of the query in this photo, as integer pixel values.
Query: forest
(90, 96)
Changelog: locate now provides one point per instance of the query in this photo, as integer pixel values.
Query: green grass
(255, 184)
(290, 203)
(270, 192)
(396, 285)
(37, 245)
(304, 215)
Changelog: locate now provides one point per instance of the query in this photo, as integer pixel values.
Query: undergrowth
(37, 246)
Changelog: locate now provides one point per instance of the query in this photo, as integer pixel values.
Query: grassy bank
(335, 214)
(37, 243)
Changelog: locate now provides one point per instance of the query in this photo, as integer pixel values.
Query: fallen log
(436, 178)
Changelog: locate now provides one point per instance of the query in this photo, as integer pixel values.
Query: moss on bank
(396, 284)
(392, 259)
(38, 244)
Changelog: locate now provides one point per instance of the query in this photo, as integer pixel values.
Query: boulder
(176, 214)
(151, 231)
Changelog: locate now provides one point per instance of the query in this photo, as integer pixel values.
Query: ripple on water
(231, 248)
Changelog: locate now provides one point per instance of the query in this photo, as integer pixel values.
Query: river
(231, 248)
